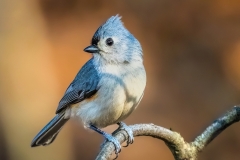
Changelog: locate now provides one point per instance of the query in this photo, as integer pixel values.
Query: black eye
(109, 41)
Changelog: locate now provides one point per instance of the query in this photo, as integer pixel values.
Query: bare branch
(168, 136)
(216, 128)
(180, 149)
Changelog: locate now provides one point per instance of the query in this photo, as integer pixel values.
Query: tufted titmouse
(108, 87)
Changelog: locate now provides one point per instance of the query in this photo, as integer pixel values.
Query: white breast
(121, 88)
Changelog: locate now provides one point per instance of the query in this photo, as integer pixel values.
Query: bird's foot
(129, 131)
(110, 138)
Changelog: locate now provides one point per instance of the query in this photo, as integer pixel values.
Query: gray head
(113, 43)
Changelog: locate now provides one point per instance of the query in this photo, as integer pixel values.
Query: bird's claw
(129, 131)
(108, 137)
(115, 142)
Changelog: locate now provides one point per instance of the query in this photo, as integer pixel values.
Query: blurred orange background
(191, 54)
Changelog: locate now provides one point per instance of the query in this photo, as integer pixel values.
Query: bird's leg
(108, 137)
(129, 131)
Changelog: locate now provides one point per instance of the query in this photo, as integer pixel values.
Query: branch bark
(180, 149)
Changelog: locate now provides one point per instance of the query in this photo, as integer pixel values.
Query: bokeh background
(192, 57)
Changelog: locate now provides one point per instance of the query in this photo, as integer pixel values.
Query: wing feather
(83, 86)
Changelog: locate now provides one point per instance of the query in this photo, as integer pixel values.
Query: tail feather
(48, 134)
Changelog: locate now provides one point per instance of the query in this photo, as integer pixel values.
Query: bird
(107, 89)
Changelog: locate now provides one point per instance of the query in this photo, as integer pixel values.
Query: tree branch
(180, 149)
(216, 128)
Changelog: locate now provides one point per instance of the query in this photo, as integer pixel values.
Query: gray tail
(48, 134)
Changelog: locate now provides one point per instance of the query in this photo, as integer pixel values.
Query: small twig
(180, 149)
(216, 128)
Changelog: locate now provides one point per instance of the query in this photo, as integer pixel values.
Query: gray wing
(83, 86)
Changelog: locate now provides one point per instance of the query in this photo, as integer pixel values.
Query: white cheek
(102, 45)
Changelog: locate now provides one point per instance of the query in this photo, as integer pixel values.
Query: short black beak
(91, 49)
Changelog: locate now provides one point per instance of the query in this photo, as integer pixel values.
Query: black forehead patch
(96, 37)
(95, 40)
